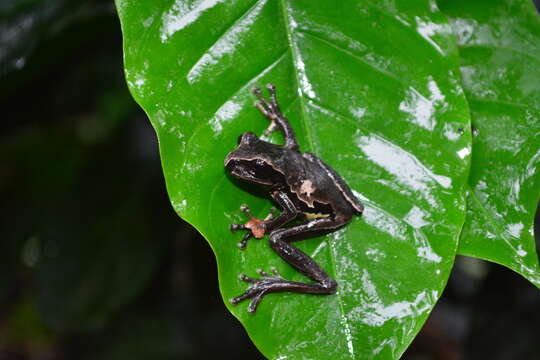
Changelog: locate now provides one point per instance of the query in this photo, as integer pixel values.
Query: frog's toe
(274, 273)
(243, 243)
(246, 278)
(245, 209)
(249, 293)
(262, 272)
(271, 128)
(252, 308)
(236, 227)
(258, 288)
(256, 90)
(253, 292)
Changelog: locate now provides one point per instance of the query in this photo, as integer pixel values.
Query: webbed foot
(256, 227)
(258, 288)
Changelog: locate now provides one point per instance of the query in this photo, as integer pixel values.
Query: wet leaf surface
(499, 45)
(370, 87)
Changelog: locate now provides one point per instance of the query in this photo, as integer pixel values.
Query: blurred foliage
(501, 85)
(93, 261)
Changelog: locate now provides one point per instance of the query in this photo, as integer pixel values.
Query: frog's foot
(256, 227)
(258, 288)
(273, 270)
(270, 109)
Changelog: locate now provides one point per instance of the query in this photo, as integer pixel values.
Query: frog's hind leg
(280, 241)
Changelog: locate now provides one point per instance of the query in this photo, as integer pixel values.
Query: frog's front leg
(271, 110)
(257, 228)
(280, 241)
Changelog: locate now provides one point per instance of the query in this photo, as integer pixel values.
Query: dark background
(95, 264)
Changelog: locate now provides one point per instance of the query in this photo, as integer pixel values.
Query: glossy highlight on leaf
(499, 45)
(372, 88)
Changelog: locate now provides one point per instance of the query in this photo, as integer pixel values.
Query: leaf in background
(499, 45)
(370, 87)
(25, 25)
(82, 280)
(80, 224)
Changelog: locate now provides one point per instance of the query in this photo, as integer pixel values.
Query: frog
(312, 196)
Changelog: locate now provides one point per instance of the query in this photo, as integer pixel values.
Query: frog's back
(319, 183)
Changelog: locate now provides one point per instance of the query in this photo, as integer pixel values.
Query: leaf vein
(227, 30)
(309, 137)
(261, 73)
(359, 58)
(502, 47)
(502, 102)
(321, 106)
(294, 56)
(498, 227)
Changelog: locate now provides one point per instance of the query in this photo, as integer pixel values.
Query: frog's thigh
(280, 242)
(310, 228)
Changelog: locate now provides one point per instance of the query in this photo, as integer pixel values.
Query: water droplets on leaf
(373, 312)
(466, 151)
(375, 254)
(225, 45)
(179, 206)
(515, 229)
(520, 251)
(305, 86)
(450, 132)
(226, 113)
(358, 112)
(406, 168)
(181, 15)
(428, 30)
(421, 110)
(416, 217)
(427, 253)
(384, 222)
(148, 22)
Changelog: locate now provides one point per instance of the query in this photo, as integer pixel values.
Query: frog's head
(255, 160)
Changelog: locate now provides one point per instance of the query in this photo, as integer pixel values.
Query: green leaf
(370, 87)
(499, 45)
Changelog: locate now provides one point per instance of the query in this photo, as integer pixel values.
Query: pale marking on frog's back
(307, 188)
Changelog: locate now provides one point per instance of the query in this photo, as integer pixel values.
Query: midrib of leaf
(501, 102)
(294, 57)
(496, 225)
(309, 138)
(497, 46)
